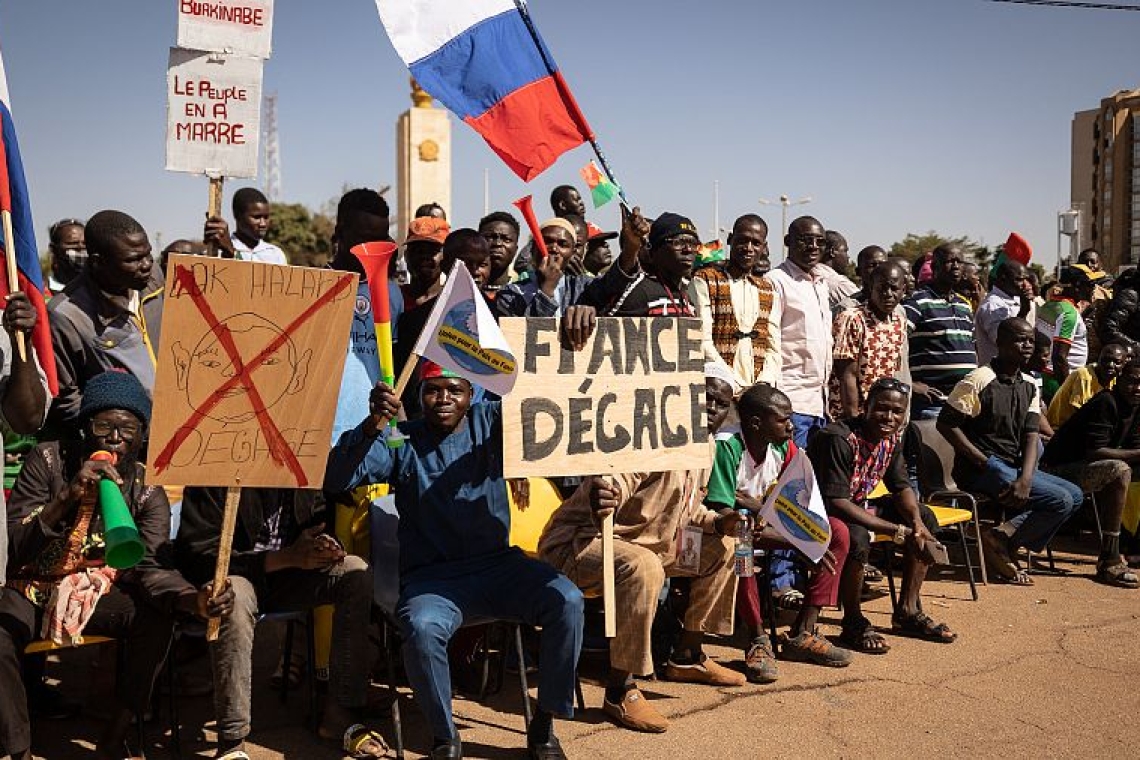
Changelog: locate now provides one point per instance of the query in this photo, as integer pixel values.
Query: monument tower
(423, 158)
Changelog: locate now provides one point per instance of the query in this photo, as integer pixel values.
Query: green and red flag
(602, 190)
(710, 253)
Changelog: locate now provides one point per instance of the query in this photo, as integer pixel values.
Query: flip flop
(922, 626)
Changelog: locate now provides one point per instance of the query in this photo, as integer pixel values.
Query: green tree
(913, 246)
(305, 236)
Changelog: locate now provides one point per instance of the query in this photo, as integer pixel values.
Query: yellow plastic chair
(527, 524)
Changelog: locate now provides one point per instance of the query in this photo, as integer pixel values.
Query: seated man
(281, 561)
(1084, 383)
(850, 458)
(991, 420)
(455, 562)
(747, 464)
(57, 562)
(651, 510)
(1097, 448)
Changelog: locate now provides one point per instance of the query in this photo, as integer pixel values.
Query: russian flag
(16, 212)
(485, 62)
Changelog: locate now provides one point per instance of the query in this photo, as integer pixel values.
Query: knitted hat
(115, 389)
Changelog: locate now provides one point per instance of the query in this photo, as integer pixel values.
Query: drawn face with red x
(205, 369)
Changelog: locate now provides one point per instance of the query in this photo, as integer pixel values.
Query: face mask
(77, 257)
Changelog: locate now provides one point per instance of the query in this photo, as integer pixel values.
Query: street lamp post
(784, 203)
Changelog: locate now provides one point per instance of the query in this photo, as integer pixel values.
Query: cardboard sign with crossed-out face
(248, 372)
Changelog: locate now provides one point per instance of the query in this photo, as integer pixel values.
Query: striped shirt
(941, 338)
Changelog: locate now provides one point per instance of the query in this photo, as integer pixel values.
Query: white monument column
(423, 158)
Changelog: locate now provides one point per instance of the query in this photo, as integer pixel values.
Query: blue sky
(896, 116)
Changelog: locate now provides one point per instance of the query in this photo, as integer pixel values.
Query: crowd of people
(852, 365)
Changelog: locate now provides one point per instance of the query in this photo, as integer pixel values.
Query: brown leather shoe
(635, 712)
(703, 671)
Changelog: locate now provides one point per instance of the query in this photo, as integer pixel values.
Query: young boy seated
(746, 465)
(455, 560)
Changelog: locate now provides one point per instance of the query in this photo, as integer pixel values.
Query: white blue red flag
(14, 201)
(485, 62)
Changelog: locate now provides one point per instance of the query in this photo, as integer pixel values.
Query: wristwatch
(901, 532)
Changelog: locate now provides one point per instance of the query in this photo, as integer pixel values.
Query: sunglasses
(889, 384)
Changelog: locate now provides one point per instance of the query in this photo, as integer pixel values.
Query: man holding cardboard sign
(455, 561)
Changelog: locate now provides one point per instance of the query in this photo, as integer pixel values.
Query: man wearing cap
(659, 289)
(598, 254)
(1061, 321)
(423, 253)
(61, 587)
(551, 290)
(455, 560)
(1010, 296)
(740, 311)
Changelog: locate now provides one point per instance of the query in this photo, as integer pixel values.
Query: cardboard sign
(213, 114)
(632, 401)
(238, 27)
(248, 370)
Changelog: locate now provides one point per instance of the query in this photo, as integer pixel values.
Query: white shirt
(806, 341)
(994, 309)
(266, 253)
(745, 299)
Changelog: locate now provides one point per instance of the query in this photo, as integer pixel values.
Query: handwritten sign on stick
(632, 401)
(248, 370)
(238, 27)
(213, 114)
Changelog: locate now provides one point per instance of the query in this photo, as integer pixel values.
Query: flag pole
(568, 97)
(13, 272)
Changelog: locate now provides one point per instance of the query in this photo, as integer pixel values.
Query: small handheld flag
(462, 336)
(602, 191)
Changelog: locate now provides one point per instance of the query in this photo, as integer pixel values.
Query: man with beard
(740, 312)
(941, 333)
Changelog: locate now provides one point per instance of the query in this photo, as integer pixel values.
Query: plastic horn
(124, 548)
(526, 207)
(375, 258)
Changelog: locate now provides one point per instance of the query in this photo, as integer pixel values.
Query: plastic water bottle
(742, 557)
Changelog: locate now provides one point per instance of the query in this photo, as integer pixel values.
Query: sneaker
(634, 712)
(703, 671)
(811, 647)
(760, 661)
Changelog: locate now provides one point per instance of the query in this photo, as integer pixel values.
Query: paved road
(1048, 671)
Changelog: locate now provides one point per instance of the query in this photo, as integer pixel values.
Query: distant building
(1106, 178)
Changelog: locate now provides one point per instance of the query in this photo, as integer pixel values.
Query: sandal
(790, 599)
(872, 574)
(1117, 575)
(296, 668)
(234, 754)
(356, 741)
(859, 635)
(922, 626)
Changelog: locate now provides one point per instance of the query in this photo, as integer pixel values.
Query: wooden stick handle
(225, 546)
(609, 604)
(13, 272)
(406, 374)
(214, 207)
